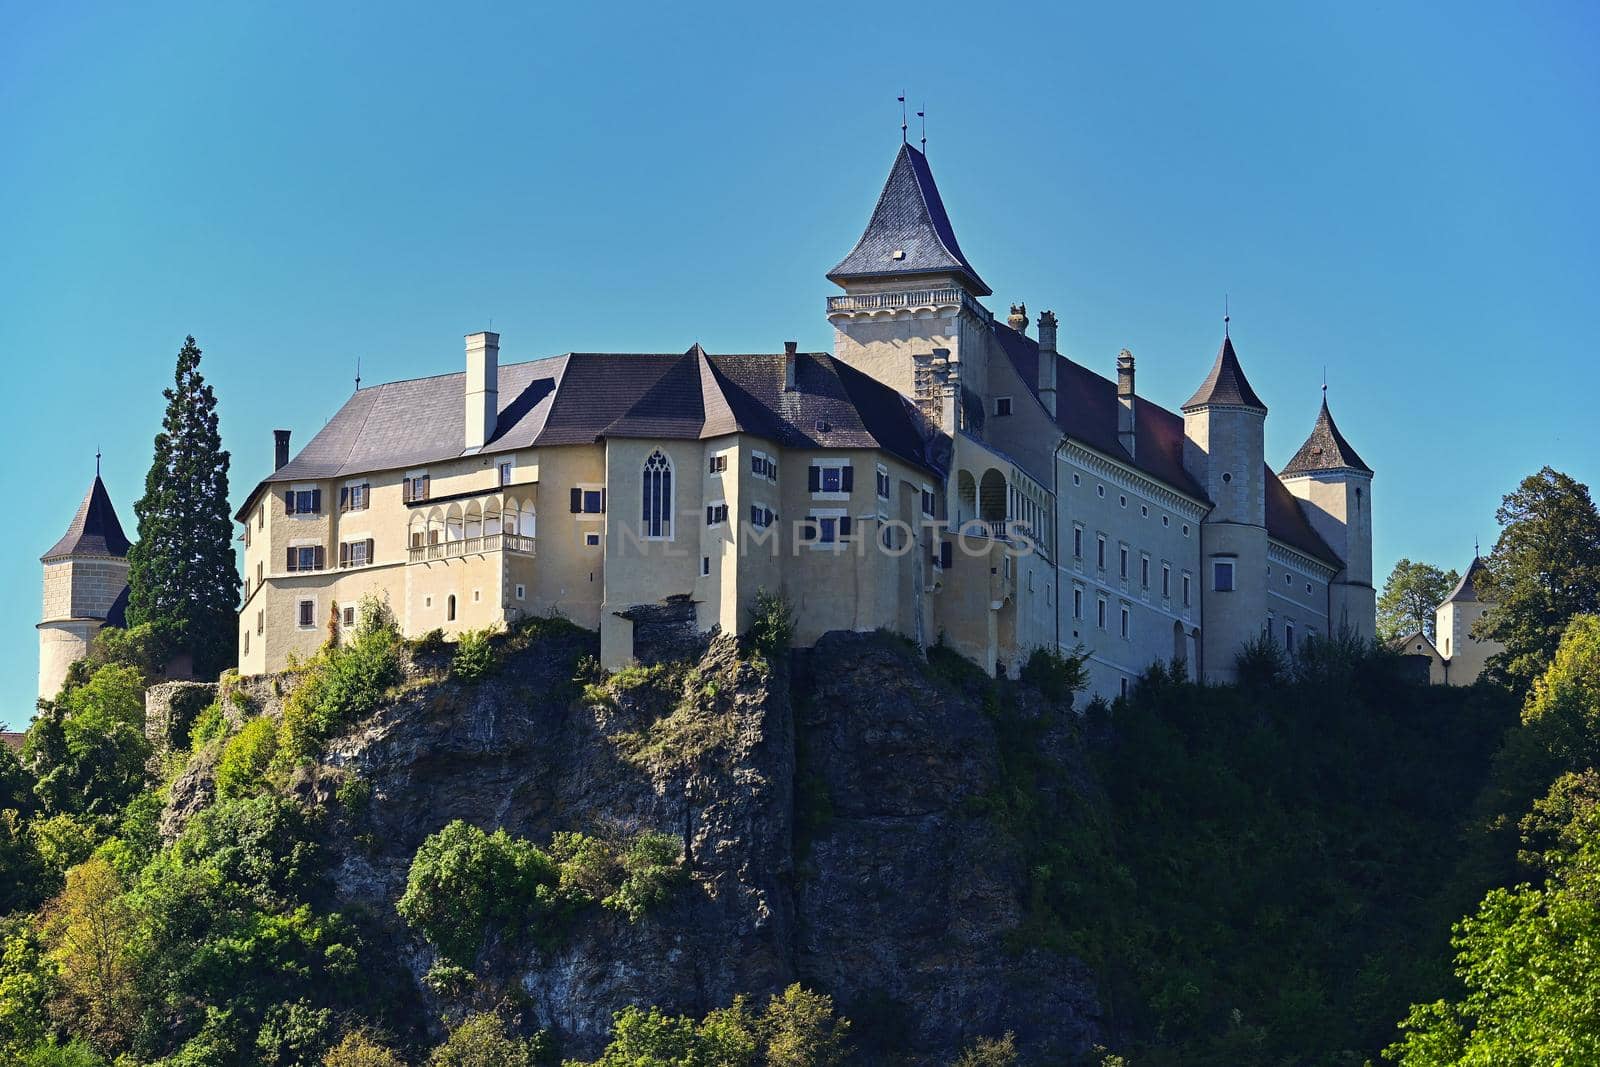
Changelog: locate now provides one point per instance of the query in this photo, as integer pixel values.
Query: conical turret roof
(909, 232)
(1326, 449)
(94, 530)
(1226, 385)
(1466, 590)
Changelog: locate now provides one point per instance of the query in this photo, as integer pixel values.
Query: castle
(85, 586)
(1454, 656)
(941, 474)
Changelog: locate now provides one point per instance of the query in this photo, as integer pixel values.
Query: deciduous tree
(1409, 596)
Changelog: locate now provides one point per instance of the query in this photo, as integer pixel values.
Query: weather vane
(358, 374)
(922, 113)
(902, 99)
(1225, 314)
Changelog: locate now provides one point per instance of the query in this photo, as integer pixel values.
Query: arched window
(450, 609)
(657, 512)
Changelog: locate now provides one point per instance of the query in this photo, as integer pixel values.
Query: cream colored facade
(1464, 655)
(85, 577)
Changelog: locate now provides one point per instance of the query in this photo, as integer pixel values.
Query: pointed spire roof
(1226, 385)
(1466, 590)
(909, 232)
(94, 530)
(1326, 449)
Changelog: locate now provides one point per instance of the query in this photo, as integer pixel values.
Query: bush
(651, 867)
(1055, 674)
(474, 656)
(429, 644)
(462, 879)
(481, 1041)
(990, 1052)
(293, 1034)
(359, 1050)
(72, 1054)
(209, 725)
(341, 685)
(771, 625)
(242, 768)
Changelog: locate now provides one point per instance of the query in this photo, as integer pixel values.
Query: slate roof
(1326, 449)
(1086, 411)
(1226, 385)
(584, 397)
(909, 219)
(94, 530)
(1466, 590)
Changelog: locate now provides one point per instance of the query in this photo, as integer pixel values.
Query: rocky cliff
(830, 811)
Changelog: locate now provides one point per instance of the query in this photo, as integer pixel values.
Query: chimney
(483, 387)
(280, 449)
(789, 350)
(1125, 423)
(1047, 361)
(1018, 319)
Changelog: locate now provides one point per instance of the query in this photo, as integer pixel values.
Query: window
(1166, 520)
(657, 505)
(1002, 405)
(1166, 581)
(306, 614)
(1222, 571)
(832, 478)
(355, 553)
(1125, 622)
(261, 622)
(450, 609)
(415, 489)
(261, 518)
(522, 592)
(1122, 501)
(349, 618)
(827, 529)
(1144, 511)
(592, 540)
(705, 566)
(1288, 635)
(1186, 589)
(717, 464)
(247, 535)
(716, 513)
(1077, 542)
(261, 570)
(1288, 579)
(883, 482)
(1226, 478)
(1144, 572)
(1100, 490)
(1122, 562)
(1077, 480)
(246, 649)
(505, 472)
(1123, 682)
(761, 516)
(763, 466)
(588, 501)
(1186, 529)
(1308, 589)
(355, 497)
(1077, 602)
(928, 500)
(302, 501)
(305, 558)
(1100, 612)
(1100, 551)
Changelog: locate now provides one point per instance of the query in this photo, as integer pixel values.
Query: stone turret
(1224, 450)
(1334, 487)
(85, 586)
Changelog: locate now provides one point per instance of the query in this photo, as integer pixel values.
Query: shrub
(293, 1034)
(242, 768)
(72, 1054)
(990, 1052)
(481, 1041)
(1262, 663)
(462, 879)
(474, 656)
(771, 624)
(1055, 674)
(651, 867)
(354, 795)
(359, 1050)
(800, 1030)
(429, 644)
(209, 725)
(341, 685)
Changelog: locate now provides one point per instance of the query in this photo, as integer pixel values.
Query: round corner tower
(85, 587)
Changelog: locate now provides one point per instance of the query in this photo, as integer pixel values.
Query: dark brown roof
(12, 740)
(580, 398)
(1086, 411)
(1466, 590)
(1326, 449)
(1226, 385)
(909, 232)
(94, 530)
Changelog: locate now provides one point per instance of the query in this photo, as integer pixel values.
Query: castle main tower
(85, 586)
(1224, 449)
(1335, 490)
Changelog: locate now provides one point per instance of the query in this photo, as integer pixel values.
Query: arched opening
(508, 522)
(474, 521)
(491, 517)
(657, 503)
(435, 526)
(525, 521)
(992, 500)
(966, 497)
(450, 609)
(1180, 643)
(453, 523)
(418, 530)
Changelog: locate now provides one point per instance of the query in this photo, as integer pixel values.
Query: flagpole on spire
(902, 99)
(922, 113)
(1225, 315)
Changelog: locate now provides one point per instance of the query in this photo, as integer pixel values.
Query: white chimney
(1047, 361)
(483, 387)
(1125, 401)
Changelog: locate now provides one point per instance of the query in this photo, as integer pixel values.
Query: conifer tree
(182, 574)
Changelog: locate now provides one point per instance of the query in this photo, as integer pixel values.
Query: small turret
(85, 579)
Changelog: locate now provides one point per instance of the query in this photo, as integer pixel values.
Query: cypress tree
(182, 574)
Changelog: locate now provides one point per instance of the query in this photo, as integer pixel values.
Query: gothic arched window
(657, 512)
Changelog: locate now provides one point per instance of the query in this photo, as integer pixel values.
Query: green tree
(360, 1050)
(1544, 570)
(482, 1041)
(87, 749)
(182, 572)
(462, 879)
(1409, 596)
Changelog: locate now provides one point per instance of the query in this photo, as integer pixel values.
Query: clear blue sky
(1405, 194)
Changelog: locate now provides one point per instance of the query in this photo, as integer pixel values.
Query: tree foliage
(1545, 570)
(1410, 594)
(87, 748)
(796, 1028)
(182, 573)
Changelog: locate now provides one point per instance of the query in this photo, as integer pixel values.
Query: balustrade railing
(471, 546)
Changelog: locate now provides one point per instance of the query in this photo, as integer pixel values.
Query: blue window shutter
(847, 479)
(288, 501)
(577, 501)
(814, 479)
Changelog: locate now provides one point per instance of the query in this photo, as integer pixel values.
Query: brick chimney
(280, 449)
(1047, 361)
(1125, 401)
(1018, 319)
(789, 350)
(483, 387)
